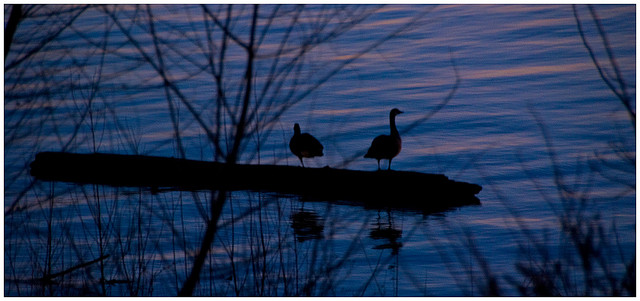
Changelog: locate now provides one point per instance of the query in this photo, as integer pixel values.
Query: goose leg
(378, 164)
(301, 162)
(389, 168)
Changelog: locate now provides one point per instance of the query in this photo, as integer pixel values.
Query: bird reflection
(303, 145)
(307, 225)
(385, 231)
(386, 146)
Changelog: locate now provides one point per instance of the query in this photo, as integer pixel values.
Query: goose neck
(392, 125)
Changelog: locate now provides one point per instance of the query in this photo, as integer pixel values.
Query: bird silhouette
(386, 146)
(304, 145)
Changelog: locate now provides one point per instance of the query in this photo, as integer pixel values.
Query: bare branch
(46, 41)
(11, 27)
(225, 28)
(622, 94)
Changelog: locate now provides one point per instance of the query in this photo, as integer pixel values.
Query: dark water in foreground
(530, 120)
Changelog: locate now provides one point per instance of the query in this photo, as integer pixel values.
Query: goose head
(395, 112)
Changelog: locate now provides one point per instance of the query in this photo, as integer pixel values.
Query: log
(397, 189)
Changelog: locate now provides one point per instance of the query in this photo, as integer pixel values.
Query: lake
(504, 96)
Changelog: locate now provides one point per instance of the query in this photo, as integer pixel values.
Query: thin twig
(48, 278)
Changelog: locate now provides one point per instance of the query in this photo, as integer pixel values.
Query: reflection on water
(384, 231)
(531, 120)
(307, 225)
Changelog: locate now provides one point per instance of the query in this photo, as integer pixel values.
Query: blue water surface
(504, 96)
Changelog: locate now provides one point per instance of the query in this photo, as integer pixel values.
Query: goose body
(386, 146)
(303, 145)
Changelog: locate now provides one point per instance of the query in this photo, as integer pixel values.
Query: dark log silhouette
(400, 189)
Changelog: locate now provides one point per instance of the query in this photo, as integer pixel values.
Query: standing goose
(386, 146)
(304, 145)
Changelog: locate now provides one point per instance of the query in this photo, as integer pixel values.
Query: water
(523, 72)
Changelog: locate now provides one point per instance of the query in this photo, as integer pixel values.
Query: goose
(386, 146)
(304, 145)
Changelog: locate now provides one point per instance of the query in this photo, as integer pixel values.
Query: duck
(304, 145)
(386, 146)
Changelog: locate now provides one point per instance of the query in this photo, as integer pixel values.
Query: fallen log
(404, 189)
